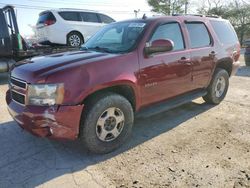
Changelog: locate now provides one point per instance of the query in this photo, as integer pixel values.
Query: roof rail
(199, 15)
(77, 9)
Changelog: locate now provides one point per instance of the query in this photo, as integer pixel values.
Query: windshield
(116, 38)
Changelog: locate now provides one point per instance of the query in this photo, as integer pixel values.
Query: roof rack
(199, 15)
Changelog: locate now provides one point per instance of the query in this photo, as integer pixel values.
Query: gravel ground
(195, 145)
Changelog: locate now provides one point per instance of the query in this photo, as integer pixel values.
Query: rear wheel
(218, 87)
(107, 123)
(74, 39)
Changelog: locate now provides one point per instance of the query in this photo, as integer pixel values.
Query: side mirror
(159, 46)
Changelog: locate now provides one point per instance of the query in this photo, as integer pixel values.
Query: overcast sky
(28, 10)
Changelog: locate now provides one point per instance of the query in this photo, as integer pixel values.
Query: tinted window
(225, 32)
(45, 16)
(170, 31)
(89, 17)
(70, 16)
(106, 19)
(199, 35)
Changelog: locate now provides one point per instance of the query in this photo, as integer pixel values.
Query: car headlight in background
(45, 94)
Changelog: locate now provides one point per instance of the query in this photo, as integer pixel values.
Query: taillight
(236, 53)
(49, 22)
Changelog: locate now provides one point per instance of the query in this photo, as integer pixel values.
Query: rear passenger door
(90, 23)
(202, 53)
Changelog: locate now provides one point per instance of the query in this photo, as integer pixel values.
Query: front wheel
(107, 123)
(218, 87)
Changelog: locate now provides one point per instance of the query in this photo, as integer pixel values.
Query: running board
(171, 103)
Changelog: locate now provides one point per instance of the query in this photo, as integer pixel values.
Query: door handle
(185, 60)
(213, 53)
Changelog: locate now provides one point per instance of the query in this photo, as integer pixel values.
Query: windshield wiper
(84, 48)
(102, 49)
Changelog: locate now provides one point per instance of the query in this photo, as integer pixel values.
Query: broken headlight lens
(45, 94)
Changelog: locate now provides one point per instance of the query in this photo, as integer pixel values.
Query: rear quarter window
(105, 19)
(224, 31)
(70, 16)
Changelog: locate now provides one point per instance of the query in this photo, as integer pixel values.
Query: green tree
(239, 16)
(168, 7)
(237, 11)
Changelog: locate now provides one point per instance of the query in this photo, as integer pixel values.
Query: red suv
(136, 67)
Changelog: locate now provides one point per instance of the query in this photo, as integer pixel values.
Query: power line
(22, 6)
(77, 3)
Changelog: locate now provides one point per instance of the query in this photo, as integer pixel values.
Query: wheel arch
(227, 64)
(126, 90)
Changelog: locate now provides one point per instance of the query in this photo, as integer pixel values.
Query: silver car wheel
(74, 40)
(110, 124)
(220, 86)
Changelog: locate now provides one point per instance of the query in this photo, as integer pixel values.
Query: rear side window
(70, 16)
(224, 31)
(198, 33)
(170, 31)
(105, 19)
(45, 17)
(89, 17)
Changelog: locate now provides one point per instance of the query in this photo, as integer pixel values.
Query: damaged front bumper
(56, 122)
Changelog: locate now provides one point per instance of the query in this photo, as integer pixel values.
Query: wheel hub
(220, 87)
(110, 123)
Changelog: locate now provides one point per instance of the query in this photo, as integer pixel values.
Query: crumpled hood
(37, 68)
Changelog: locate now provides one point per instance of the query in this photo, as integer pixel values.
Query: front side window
(89, 17)
(170, 31)
(116, 37)
(70, 16)
(198, 34)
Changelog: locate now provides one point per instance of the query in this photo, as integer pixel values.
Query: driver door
(168, 74)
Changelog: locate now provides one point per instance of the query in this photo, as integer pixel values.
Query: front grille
(18, 97)
(18, 83)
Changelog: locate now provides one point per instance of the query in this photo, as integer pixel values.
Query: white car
(69, 26)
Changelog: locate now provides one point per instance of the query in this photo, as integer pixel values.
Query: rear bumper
(235, 67)
(51, 35)
(57, 122)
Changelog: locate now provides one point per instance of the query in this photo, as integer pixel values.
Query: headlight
(45, 94)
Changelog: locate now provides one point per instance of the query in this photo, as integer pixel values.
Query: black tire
(94, 111)
(78, 39)
(211, 97)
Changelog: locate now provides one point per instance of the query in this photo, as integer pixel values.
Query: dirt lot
(195, 145)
